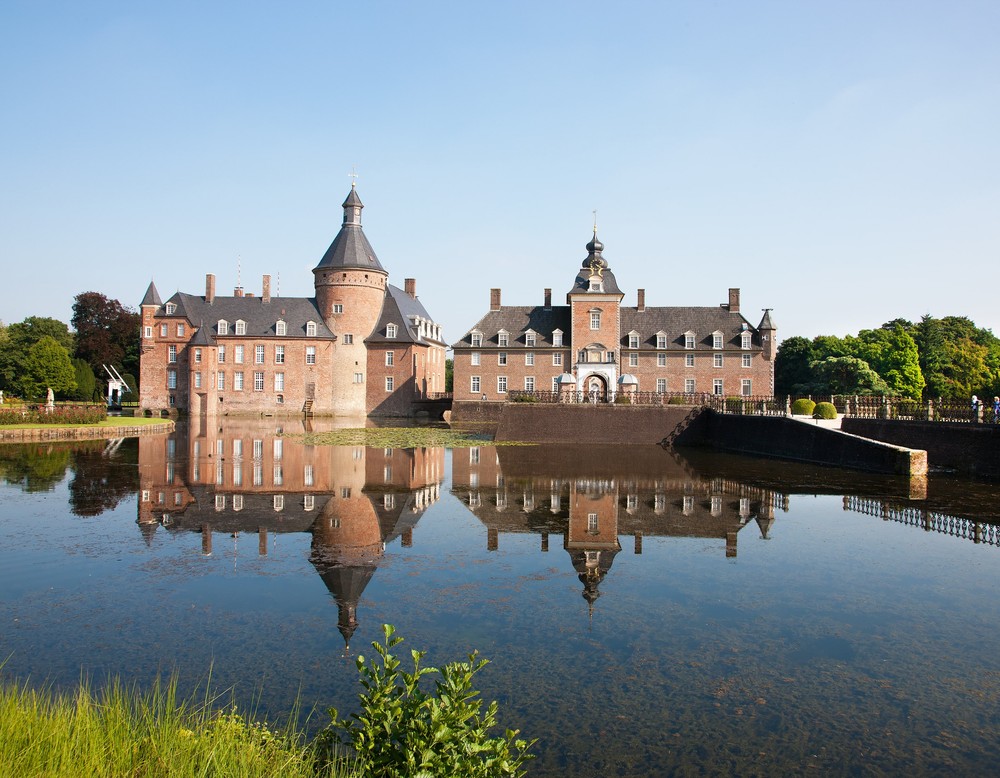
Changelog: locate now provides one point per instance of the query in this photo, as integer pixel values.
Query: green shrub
(803, 407)
(523, 398)
(676, 400)
(825, 411)
(622, 399)
(403, 730)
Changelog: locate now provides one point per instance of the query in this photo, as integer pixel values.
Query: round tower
(350, 288)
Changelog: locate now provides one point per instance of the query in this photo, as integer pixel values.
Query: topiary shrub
(675, 400)
(622, 399)
(825, 411)
(803, 407)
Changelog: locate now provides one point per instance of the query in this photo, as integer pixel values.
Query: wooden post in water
(262, 541)
(206, 540)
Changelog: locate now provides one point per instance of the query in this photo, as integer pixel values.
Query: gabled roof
(350, 249)
(515, 320)
(260, 317)
(152, 297)
(676, 321)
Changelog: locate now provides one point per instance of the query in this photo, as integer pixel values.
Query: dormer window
(557, 337)
(502, 338)
(661, 339)
(223, 327)
(171, 309)
(716, 339)
(241, 327)
(688, 339)
(311, 329)
(529, 338)
(390, 330)
(745, 339)
(633, 340)
(477, 339)
(279, 327)
(596, 285)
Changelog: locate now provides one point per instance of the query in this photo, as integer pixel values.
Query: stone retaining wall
(584, 423)
(82, 433)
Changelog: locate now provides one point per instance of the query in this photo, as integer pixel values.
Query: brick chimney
(265, 293)
(548, 299)
(410, 287)
(494, 299)
(210, 288)
(640, 303)
(734, 300)
(238, 291)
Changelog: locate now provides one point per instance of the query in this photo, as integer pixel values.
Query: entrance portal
(597, 389)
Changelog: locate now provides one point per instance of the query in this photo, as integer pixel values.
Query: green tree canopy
(86, 381)
(846, 375)
(892, 353)
(792, 366)
(47, 365)
(20, 338)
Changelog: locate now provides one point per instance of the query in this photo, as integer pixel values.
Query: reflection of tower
(592, 534)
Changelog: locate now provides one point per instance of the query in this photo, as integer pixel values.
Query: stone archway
(595, 389)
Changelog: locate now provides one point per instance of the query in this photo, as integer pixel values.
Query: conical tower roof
(152, 297)
(350, 249)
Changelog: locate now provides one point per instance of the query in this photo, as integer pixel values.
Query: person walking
(996, 410)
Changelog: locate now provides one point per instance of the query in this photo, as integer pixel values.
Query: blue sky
(839, 162)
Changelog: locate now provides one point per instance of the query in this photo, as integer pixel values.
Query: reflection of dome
(591, 568)
(346, 584)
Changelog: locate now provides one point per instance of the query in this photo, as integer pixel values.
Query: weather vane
(595, 221)
(353, 176)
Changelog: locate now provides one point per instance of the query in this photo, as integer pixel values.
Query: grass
(401, 437)
(122, 732)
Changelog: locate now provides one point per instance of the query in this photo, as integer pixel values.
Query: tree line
(948, 358)
(41, 353)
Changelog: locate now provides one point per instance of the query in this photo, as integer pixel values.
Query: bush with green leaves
(825, 411)
(404, 729)
(622, 399)
(803, 407)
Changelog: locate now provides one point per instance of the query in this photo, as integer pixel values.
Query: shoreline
(45, 432)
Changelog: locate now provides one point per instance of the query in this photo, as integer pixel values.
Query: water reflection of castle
(248, 478)
(593, 498)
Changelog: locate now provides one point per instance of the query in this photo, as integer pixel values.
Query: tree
(449, 375)
(47, 366)
(892, 353)
(846, 375)
(20, 338)
(792, 371)
(86, 381)
(107, 333)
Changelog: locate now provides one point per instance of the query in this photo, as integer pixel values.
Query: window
(477, 339)
(279, 355)
(502, 358)
(716, 340)
(348, 340)
(591, 522)
(745, 388)
(475, 385)
(389, 383)
(529, 339)
(745, 340)
(688, 340)
(338, 307)
(147, 332)
(279, 327)
(180, 330)
(258, 381)
(311, 329)
(221, 354)
(238, 380)
(171, 379)
(502, 339)
(595, 320)
(279, 382)
(359, 378)
(390, 330)
(555, 383)
(529, 383)
(746, 360)
(258, 355)
(223, 327)
(238, 354)
(171, 353)
(220, 381)
(557, 338)
(197, 356)
(241, 327)
(279, 502)
(609, 357)
(529, 358)
(633, 340)
(633, 360)
(717, 386)
(171, 309)
(310, 355)
(390, 357)
(661, 340)
(197, 380)
(716, 360)
(661, 385)
(557, 359)
(163, 330)
(661, 360)
(474, 359)
(501, 384)
(689, 385)
(689, 360)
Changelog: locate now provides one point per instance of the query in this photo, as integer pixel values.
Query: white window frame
(310, 329)
(220, 381)
(349, 339)
(390, 383)
(171, 309)
(279, 355)
(633, 340)
(557, 359)
(280, 327)
(716, 339)
(661, 385)
(238, 381)
(390, 330)
(717, 389)
(529, 359)
(747, 360)
(689, 339)
(238, 354)
(716, 360)
(501, 384)
(279, 382)
(222, 327)
(529, 339)
(258, 380)
(557, 338)
(746, 387)
(390, 358)
(258, 354)
(338, 307)
(502, 358)
(180, 330)
(529, 383)
(220, 355)
(503, 338)
(241, 327)
(475, 384)
(595, 320)
(633, 360)
(474, 359)
(661, 340)
(746, 340)
(476, 338)
(689, 386)
(171, 379)
(661, 359)
(172, 353)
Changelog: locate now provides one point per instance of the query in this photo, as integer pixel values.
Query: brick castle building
(359, 347)
(594, 348)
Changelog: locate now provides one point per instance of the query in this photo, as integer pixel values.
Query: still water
(645, 613)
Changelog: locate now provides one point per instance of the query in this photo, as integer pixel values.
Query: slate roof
(260, 317)
(516, 320)
(594, 256)
(397, 309)
(350, 249)
(765, 322)
(152, 297)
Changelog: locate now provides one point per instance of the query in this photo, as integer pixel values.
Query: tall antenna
(278, 294)
(239, 272)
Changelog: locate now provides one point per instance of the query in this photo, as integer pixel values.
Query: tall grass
(121, 731)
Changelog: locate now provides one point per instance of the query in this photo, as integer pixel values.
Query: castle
(360, 347)
(595, 349)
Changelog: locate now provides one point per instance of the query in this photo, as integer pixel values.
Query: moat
(645, 613)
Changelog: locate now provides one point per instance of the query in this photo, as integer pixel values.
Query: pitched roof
(399, 308)
(152, 297)
(675, 322)
(351, 249)
(260, 317)
(518, 319)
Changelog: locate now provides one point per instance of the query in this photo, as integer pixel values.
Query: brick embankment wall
(583, 423)
(476, 412)
(973, 449)
(783, 438)
(82, 433)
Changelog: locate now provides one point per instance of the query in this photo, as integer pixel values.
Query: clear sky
(837, 161)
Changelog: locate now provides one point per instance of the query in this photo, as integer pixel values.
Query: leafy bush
(59, 415)
(402, 730)
(676, 400)
(825, 411)
(622, 399)
(523, 398)
(803, 407)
